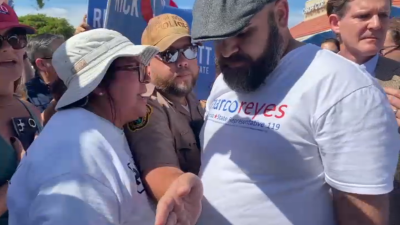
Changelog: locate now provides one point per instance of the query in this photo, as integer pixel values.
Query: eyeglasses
(394, 47)
(171, 56)
(16, 41)
(141, 70)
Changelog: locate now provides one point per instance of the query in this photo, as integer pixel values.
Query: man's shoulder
(334, 69)
(330, 78)
(158, 100)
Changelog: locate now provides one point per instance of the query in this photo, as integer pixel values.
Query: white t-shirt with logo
(78, 171)
(271, 156)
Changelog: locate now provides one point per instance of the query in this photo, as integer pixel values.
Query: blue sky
(74, 10)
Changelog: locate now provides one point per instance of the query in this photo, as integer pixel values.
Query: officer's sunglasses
(171, 56)
(141, 70)
(17, 40)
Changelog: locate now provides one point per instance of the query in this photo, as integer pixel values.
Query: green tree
(45, 24)
(40, 3)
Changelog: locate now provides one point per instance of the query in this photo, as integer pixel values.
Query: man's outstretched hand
(181, 204)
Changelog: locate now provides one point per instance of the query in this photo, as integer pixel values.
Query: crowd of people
(98, 130)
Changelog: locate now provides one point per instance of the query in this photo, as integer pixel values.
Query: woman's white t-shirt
(78, 171)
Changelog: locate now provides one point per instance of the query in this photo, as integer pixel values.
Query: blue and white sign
(96, 13)
(206, 57)
(130, 17)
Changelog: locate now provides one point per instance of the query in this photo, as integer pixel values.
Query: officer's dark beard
(250, 77)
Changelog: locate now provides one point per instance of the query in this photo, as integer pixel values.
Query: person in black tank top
(19, 120)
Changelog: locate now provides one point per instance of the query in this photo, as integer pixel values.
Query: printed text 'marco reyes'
(250, 108)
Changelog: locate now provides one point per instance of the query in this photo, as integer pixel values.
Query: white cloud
(295, 17)
(73, 14)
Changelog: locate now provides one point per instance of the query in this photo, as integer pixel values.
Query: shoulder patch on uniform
(141, 122)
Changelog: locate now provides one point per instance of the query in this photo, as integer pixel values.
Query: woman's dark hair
(58, 87)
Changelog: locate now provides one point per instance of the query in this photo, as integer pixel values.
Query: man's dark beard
(250, 77)
(169, 87)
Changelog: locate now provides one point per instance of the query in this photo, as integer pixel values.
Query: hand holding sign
(84, 26)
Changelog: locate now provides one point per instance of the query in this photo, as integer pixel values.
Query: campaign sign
(96, 13)
(130, 17)
(206, 57)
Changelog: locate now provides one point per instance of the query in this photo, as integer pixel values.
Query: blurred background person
(40, 51)
(362, 26)
(362, 34)
(19, 120)
(29, 72)
(391, 46)
(80, 169)
(331, 44)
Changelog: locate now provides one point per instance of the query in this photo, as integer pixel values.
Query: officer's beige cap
(163, 30)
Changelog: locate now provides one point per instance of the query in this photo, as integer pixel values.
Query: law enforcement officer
(165, 142)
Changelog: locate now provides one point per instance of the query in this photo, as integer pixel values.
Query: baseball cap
(9, 19)
(82, 61)
(163, 30)
(220, 19)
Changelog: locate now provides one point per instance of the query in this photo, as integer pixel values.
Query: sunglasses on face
(171, 56)
(141, 70)
(15, 40)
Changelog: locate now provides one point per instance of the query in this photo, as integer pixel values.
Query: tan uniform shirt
(168, 135)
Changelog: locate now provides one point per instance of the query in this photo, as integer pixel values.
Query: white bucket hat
(83, 60)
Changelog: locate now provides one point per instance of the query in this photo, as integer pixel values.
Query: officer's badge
(141, 122)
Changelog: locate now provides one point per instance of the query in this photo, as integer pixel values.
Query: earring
(101, 93)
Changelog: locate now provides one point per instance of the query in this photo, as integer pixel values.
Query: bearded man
(165, 143)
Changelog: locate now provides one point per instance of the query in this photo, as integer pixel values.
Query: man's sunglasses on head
(171, 56)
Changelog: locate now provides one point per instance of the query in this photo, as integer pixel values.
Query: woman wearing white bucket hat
(80, 169)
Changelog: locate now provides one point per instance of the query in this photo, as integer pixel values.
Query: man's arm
(359, 146)
(355, 209)
(153, 146)
(158, 180)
